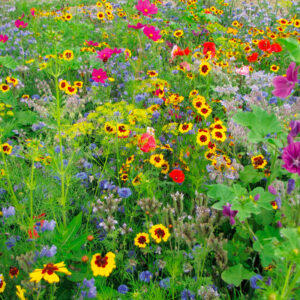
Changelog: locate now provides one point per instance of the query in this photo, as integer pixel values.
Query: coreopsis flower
(71, 90)
(6, 148)
(147, 142)
(13, 272)
(146, 8)
(284, 85)
(100, 15)
(218, 135)
(2, 284)
(209, 47)
(63, 84)
(68, 17)
(274, 68)
(99, 75)
(185, 127)
(177, 176)
(4, 88)
(103, 265)
(20, 292)
(159, 233)
(258, 161)
(48, 273)
(178, 33)
(157, 160)
(203, 137)
(123, 130)
(109, 128)
(152, 73)
(152, 33)
(141, 240)
(204, 68)
(227, 212)
(68, 55)
(291, 158)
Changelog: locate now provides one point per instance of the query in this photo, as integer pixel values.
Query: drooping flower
(177, 176)
(227, 212)
(99, 75)
(103, 265)
(152, 33)
(159, 233)
(291, 158)
(48, 273)
(20, 292)
(284, 85)
(147, 142)
(141, 240)
(146, 8)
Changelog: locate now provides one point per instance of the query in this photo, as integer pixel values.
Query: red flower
(37, 226)
(253, 57)
(264, 45)
(177, 176)
(209, 46)
(276, 48)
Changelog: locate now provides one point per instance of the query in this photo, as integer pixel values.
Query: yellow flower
(203, 137)
(20, 292)
(103, 266)
(71, 90)
(2, 284)
(274, 68)
(68, 16)
(178, 33)
(4, 88)
(6, 148)
(159, 233)
(48, 273)
(109, 128)
(68, 55)
(204, 68)
(152, 73)
(123, 130)
(258, 161)
(100, 15)
(157, 160)
(141, 240)
(218, 135)
(185, 127)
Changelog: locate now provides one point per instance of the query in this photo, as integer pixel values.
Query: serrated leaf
(250, 175)
(220, 192)
(235, 275)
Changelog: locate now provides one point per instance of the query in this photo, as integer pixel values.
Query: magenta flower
(146, 8)
(138, 26)
(99, 75)
(291, 158)
(152, 33)
(227, 212)
(20, 24)
(106, 53)
(3, 38)
(91, 43)
(284, 85)
(295, 130)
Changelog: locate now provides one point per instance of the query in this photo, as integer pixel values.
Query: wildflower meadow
(149, 149)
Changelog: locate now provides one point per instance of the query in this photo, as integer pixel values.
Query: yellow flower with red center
(198, 102)
(100, 15)
(103, 265)
(68, 17)
(99, 4)
(274, 205)
(48, 273)
(6, 148)
(71, 90)
(218, 135)
(297, 23)
(165, 167)
(152, 73)
(141, 240)
(204, 68)
(78, 84)
(123, 130)
(159, 233)
(178, 33)
(137, 180)
(63, 84)
(203, 137)
(109, 128)
(157, 160)
(68, 55)
(4, 87)
(20, 292)
(258, 161)
(185, 127)
(13, 272)
(12, 80)
(274, 68)
(205, 110)
(2, 284)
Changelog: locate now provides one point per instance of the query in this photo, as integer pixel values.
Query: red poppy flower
(276, 48)
(253, 57)
(264, 45)
(209, 46)
(177, 176)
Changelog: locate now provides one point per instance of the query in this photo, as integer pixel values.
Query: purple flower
(48, 252)
(90, 285)
(124, 192)
(48, 225)
(290, 186)
(145, 276)
(272, 190)
(8, 212)
(227, 212)
(253, 281)
(165, 283)
(187, 295)
(123, 289)
(256, 197)
(291, 158)
(295, 130)
(284, 85)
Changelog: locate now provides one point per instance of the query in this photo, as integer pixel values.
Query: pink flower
(99, 75)
(151, 33)
(3, 38)
(138, 26)
(244, 70)
(20, 24)
(147, 142)
(186, 65)
(91, 43)
(106, 53)
(291, 158)
(146, 8)
(32, 11)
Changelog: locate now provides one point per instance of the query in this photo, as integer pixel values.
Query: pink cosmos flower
(138, 26)
(152, 33)
(146, 8)
(3, 38)
(99, 75)
(91, 43)
(20, 24)
(244, 70)
(147, 142)
(291, 158)
(284, 85)
(106, 53)
(32, 11)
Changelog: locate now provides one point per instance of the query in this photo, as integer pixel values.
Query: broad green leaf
(250, 175)
(235, 275)
(8, 62)
(25, 117)
(220, 192)
(293, 47)
(72, 228)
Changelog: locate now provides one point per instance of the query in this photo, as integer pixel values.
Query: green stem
(287, 277)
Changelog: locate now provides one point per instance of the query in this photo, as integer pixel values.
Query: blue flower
(123, 289)
(187, 295)
(48, 225)
(124, 192)
(145, 276)
(165, 283)
(8, 212)
(48, 252)
(253, 281)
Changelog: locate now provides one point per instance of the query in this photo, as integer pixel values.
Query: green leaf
(8, 62)
(235, 275)
(293, 47)
(220, 192)
(75, 244)
(250, 175)
(72, 229)
(25, 117)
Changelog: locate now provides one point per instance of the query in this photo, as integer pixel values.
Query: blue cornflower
(165, 283)
(187, 295)
(124, 192)
(253, 281)
(8, 212)
(145, 276)
(123, 289)
(48, 252)
(48, 225)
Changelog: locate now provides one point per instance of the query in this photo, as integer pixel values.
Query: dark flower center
(50, 269)
(142, 239)
(159, 232)
(101, 261)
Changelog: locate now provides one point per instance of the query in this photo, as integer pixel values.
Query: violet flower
(227, 212)
(291, 158)
(284, 85)
(295, 130)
